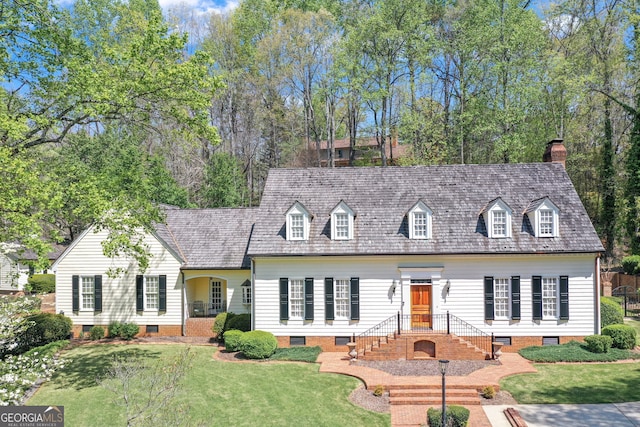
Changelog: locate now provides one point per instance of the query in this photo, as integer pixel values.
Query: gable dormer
(342, 220)
(420, 221)
(497, 217)
(298, 220)
(544, 217)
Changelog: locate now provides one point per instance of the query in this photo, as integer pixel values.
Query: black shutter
(97, 293)
(488, 298)
(536, 287)
(308, 298)
(564, 297)
(162, 293)
(284, 298)
(355, 298)
(515, 297)
(75, 293)
(328, 299)
(139, 293)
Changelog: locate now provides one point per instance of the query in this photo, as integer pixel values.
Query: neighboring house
(366, 149)
(13, 273)
(198, 268)
(333, 254)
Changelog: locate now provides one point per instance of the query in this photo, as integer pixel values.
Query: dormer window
(420, 217)
(342, 222)
(544, 215)
(497, 217)
(298, 219)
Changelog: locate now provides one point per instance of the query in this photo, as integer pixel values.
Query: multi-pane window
(342, 225)
(546, 222)
(419, 225)
(216, 295)
(87, 292)
(501, 297)
(297, 226)
(296, 298)
(246, 295)
(151, 292)
(549, 297)
(499, 223)
(341, 298)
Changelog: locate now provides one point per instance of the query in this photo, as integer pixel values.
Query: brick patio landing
(411, 396)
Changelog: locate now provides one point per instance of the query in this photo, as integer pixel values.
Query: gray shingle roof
(455, 193)
(209, 238)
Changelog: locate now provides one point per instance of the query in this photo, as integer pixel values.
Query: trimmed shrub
(489, 392)
(457, 416)
(129, 330)
(220, 324)
(631, 264)
(623, 336)
(258, 344)
(42, 283)
(379, 390)
(610, 312)
(96, 333)
(115, 329)
(47, 327)
(241, 322)
(232, 339)
(598, 343)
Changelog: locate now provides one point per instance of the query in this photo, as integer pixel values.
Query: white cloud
(201, 6)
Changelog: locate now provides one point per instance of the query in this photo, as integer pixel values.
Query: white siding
(85, 258)
(13, 276)
(233, 280)
(465, 275)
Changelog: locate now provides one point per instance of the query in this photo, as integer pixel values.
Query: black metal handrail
(428, 323)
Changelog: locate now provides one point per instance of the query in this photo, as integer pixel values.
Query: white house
(416, 257)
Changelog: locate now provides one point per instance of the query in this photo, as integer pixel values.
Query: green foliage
(573, 352)
(598, 343)
(220, 324)
(114, 329)
(258, 344)
(42, 283)
(297, 354)
(96, 333)
(631, 264)
(457, 416)
(129, 331)
(611, 313)
(232, 339)
(224, 182)
(489, 392)
(48, 349)
(378, 391)
(241, 322)
(45, 328)
(623, 336)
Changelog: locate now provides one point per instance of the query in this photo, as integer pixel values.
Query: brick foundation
(200, 327)
(163, 331)
(518, 343)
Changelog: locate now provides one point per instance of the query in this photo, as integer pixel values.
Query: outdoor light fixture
(393, 287)
(443, 369)
(448, 287)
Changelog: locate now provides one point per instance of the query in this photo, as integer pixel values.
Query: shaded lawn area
(218, 393)
(635, 323)
(577, 383)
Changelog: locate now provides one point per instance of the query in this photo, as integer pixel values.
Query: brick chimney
(555, 152)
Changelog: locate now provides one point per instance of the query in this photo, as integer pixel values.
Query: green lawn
(577, 383)
(218, 393)
(633, 321)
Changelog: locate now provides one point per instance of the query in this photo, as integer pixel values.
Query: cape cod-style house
(408, 262)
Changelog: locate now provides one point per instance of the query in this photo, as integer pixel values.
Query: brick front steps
(413, 346)
(433, 396)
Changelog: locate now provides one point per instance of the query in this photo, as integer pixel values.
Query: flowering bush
(19, 373)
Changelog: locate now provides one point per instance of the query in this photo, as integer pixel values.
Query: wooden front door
(421, 306)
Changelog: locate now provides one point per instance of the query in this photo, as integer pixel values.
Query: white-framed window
(549, 297)
(296, 298)
(501, 298)
(341, 298)
(87, 293)
(215, 296)
(246, 295)
(297, 222)
(342, 222)
(420, 220)
(546, 223)
(499, 223)
(151, 292)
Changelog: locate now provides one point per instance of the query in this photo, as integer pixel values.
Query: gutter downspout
(253, 295)
(597, 295)
(182, 296)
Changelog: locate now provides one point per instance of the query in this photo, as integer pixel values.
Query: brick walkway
(416, 415)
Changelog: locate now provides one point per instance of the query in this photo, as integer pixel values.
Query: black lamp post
(443, 369)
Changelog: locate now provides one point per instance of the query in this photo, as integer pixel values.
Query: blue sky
(199, 6)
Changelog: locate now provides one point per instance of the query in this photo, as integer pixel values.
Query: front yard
(216, 392)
